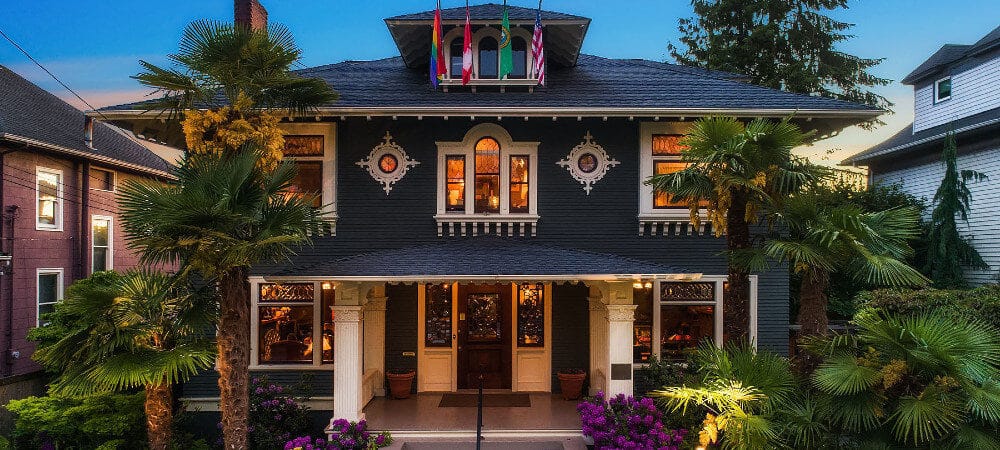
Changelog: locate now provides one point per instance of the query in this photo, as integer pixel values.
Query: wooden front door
(484, 336)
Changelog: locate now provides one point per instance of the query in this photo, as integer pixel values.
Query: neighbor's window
(48, 192)
(687, 317)
(102, 179)
(306, 153)
(437, 315)
(100, 238)
(487, 187)
(286, 333)
(531, 316)
(942, 89)
(49, 292)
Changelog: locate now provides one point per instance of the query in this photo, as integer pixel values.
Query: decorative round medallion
(387, 163)
(588, 162)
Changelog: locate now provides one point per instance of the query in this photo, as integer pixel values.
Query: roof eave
(861, 159)
(85, 155)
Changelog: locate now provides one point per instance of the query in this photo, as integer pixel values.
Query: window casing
(487, 174)
(102, 180)
(49, 291)
(312, 148)
(659, 153)
(48, 199)
(101, 243)
(942, 89)
(292, 324)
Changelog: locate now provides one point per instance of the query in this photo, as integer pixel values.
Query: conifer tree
(781, 44)
(947, 250)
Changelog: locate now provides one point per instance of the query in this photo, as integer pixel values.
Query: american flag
(538, 49)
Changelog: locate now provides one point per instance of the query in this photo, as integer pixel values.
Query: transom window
(294, 323)
(942, 89)
(496, 173)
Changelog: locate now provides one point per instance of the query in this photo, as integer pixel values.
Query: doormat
(489, 400)
(512, 445)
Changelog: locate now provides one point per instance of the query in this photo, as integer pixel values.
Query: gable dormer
(956, 82)
(563, 38)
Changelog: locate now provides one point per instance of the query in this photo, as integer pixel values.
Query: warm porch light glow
(327, 285)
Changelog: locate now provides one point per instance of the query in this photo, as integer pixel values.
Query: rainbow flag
(437, 69)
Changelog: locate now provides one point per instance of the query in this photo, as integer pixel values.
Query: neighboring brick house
(59, 212)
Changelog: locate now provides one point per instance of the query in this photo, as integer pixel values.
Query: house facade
(957, 90)
(59, 221)
(500, 228)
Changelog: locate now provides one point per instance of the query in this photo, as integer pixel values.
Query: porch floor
(421, 413)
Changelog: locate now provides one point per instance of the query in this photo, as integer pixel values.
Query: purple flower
(259, 391)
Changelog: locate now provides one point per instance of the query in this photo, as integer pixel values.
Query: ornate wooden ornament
(387, 163)
(588, 162)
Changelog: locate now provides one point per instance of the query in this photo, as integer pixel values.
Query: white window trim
(329, 159)
(317, 362)
(718, 304)
(459, 33)
(38, 290)
(466, 148)
(60, 202)
(937, 84)
(110, 262)
(646, 132)
(114, 180)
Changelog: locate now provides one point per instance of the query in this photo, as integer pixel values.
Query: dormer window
(489, 58)
(455, 59)
(486, 56)
(519, 56)
(942, 89)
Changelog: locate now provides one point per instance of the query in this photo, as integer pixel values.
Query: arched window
(519, 53)
(488, 58)
(487, 190)
(456, 57)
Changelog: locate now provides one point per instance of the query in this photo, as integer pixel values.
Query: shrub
(346, 436)
(275, 415)
(84, 422)
(977, 304)
(625, 422)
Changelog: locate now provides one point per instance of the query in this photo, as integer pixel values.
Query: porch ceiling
(481, 258)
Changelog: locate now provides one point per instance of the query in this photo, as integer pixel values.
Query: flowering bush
(626, 423)
(275, 416)
(346, 436)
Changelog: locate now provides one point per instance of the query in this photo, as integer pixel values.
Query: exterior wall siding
(401, 327)
(32, 249)
(570, 329)
(975, 88)
(983, 229)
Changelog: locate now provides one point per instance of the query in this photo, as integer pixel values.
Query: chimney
(88, 131)
(250, 13)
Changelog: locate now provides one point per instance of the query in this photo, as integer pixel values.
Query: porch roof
(480, 257)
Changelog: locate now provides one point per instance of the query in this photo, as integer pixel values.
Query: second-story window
(489, 58)
(306, 152)
(519, 58)
(487, 176)
(103, 180)
(49, 199)
(942, 89)
(455, 60)
(101, 241)
(666, 156)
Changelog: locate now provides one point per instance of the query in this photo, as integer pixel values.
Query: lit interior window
(455, 167)
(487, 176)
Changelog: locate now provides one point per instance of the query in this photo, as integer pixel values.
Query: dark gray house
(502, 227)
(956, 90)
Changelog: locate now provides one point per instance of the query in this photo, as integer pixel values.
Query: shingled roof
(950, 53)
(485, 257)
(30, 114)
(595, 84)
(906, 139)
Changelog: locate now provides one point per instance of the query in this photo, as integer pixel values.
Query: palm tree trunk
(812, 303)
(234, 357)
(736, 299)
(159, 407)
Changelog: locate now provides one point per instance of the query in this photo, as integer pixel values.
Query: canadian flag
(467, 49)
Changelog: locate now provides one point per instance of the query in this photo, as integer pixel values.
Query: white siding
(984, 220)
(972, 92)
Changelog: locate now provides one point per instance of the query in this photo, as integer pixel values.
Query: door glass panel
(531, 316)
(437, 325)
(484, 318)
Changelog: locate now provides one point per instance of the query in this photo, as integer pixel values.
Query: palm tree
(222, 215)
(240, 73)
(913, 381)
(141, 329)
(870, 247)
(735, 171)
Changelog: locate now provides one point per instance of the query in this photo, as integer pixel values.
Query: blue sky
(94, 46)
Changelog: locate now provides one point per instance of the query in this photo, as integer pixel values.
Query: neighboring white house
(956, 90)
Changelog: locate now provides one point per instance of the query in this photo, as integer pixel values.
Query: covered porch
(514, 312)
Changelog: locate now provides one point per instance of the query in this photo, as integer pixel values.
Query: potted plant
(400, 382)
(571, 383)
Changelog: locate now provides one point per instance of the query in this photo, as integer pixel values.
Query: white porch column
(599, 365)
(347, 354)
(375, 341)
(620, 316)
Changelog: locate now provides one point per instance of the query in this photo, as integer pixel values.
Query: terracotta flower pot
(571, 384)
(400, 384)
